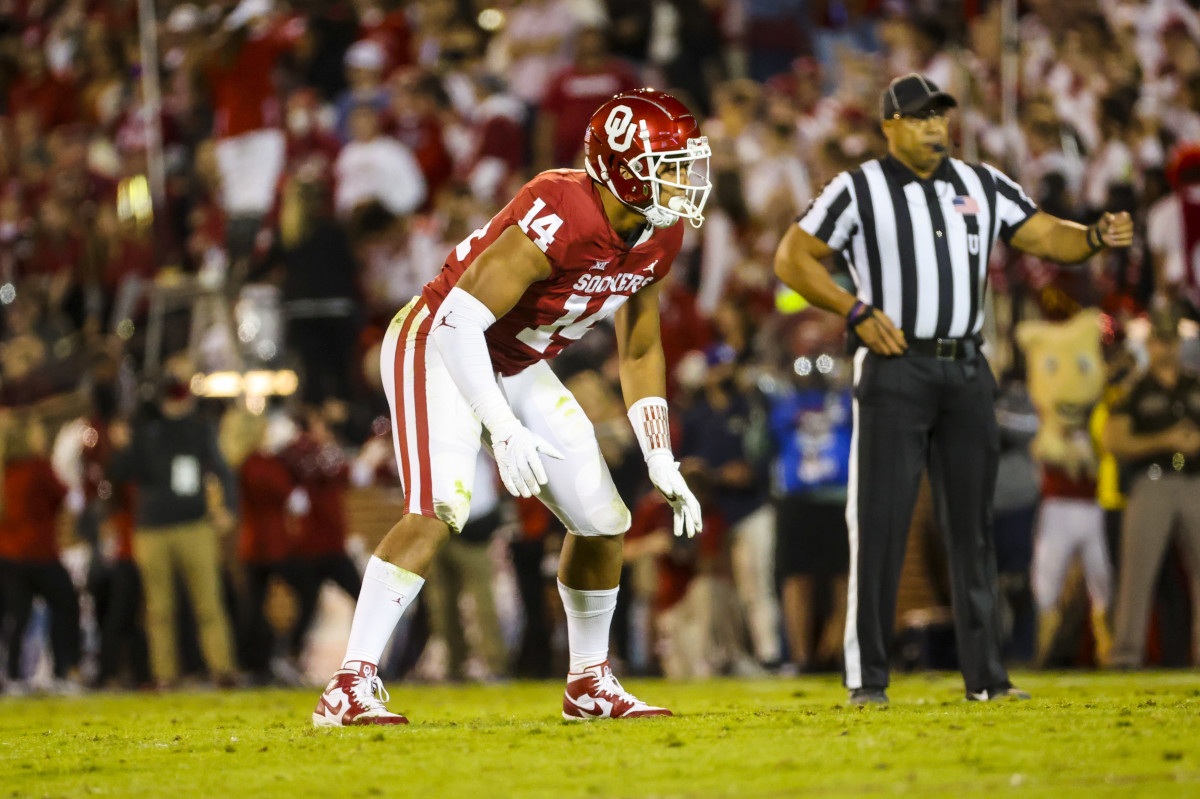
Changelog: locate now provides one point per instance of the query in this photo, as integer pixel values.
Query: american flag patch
(965, 205)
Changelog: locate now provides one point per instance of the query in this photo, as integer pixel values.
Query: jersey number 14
(545, 227)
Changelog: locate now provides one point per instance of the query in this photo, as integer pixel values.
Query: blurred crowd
(296, 171)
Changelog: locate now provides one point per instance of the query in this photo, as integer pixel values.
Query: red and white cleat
(594, 693)
(354, 697)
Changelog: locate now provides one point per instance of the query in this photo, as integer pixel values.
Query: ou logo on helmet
(620, 128)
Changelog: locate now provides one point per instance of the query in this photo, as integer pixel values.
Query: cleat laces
(608, 684)
(370, 694)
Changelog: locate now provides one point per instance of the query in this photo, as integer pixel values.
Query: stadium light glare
(219, 384)
(287, 382)
(257, 383)
(491, 19)
(133, 200)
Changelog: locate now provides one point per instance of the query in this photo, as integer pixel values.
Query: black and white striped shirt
(918, 249)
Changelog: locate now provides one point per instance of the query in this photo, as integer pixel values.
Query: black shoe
(999, 693)
(868, 696)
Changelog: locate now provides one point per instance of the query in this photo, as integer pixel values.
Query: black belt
(945, 349)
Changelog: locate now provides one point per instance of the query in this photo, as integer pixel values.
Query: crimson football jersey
(592, 272)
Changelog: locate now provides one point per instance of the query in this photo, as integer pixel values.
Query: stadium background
(261, 185)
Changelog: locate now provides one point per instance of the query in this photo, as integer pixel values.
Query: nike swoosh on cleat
(593, 710)
(596, 710)
(331, 710)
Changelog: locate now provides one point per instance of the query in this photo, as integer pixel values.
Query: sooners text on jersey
(592, 273)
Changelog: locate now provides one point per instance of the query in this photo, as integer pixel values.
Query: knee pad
(612, 520)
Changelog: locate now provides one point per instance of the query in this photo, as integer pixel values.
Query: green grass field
(1082, 735)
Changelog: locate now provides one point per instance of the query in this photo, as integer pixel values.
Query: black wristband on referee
(1099, 245)
(859, 312)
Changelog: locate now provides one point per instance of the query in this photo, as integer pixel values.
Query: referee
(917, 229)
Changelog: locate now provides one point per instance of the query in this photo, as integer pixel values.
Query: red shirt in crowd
(53, 254)
(423, 135)
(314, 152)
(134, 257)
(33, 497)
(391, 31)
(308, 157)
(54, 101)
(500, 135)
(322, 471)
(243, 90)
(96, 452)
(675, 573)
(574, 95)
(684, 328)
(535, 518)
(122, 523)
(266, 483)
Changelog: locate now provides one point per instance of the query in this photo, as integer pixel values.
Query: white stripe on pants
(851, 652)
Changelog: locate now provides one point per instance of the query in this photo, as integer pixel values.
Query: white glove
(516, 449)
(664, 473)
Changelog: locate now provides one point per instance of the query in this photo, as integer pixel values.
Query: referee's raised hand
(1116, 230)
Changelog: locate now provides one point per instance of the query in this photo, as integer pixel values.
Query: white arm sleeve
(458, 329)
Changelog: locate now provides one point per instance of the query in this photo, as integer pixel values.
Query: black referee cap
(912, 94)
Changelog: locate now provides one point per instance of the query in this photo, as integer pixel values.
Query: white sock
(387, 591)
(589, 617)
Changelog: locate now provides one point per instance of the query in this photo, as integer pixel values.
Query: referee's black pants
(911, 412)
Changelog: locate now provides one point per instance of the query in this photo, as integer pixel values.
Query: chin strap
(658, 216)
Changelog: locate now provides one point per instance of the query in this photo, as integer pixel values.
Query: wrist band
(859, 312)
(649, 419)
(1099, 241)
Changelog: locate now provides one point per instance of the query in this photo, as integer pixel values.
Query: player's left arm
(644, 384)
(1066, 242)
(640, 356)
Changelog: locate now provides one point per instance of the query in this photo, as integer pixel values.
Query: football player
(465, 364)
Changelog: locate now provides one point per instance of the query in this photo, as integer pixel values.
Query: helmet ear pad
(632, 190)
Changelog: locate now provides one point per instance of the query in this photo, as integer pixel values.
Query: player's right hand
(516, 449)
(881, 335)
